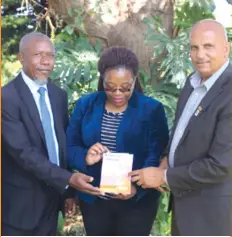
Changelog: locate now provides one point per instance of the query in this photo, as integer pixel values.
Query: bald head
(213, 25)
(28, 39)
(209, 47)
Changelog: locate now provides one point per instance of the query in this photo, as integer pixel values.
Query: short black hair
(116, 57)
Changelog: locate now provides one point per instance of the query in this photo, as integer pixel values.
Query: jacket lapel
(98, 110)
(29, 101)
(126, 122)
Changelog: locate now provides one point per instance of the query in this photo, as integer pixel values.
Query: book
(114, 173)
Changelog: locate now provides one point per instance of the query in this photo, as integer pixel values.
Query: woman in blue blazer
(118, 118)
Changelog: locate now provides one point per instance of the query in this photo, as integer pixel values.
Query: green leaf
(77, 75)
(60, 225)
(87, 74)
(69, 29)
(70, 12)
(70, 74)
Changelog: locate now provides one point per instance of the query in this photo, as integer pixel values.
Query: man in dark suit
(34, 120)
(198, 169)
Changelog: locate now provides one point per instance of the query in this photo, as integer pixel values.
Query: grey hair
(211, 20)
(28, 37)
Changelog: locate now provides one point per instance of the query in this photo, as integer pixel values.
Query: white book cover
(114, 173)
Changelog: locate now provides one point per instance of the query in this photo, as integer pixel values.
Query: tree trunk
(119, 22)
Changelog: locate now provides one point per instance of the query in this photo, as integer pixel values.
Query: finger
(116, 196)
(106, 149)
(139, 183)
(89, 179)
(135, 178)
(124, 196)
(162, 190)
(96, 149)
(135, 172)
(85, 178)
(112, 195)
(127, 196)
(100, 147)
(144, 186)
(105, 197)
(119, 196)
(91, 189)
(93, 152)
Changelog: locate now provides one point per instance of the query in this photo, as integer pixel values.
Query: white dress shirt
(33, 87)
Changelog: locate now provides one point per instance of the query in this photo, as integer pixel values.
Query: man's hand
(94, 154)
(82, 182)
(164, 163)
(70, 206)
(150, 177)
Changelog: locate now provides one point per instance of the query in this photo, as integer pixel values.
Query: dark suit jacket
(143, 132)
(31, 184)
(201, 182)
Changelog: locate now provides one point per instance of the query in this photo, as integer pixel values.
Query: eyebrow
(109, 82)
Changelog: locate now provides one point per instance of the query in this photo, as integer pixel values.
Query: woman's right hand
(95, 152)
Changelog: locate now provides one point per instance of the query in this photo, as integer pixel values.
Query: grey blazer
(201, 182)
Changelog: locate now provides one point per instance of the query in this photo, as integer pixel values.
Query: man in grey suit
(198, 168)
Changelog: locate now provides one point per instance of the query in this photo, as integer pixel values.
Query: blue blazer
(143, 132)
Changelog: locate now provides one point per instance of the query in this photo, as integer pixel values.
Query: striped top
(109, 129)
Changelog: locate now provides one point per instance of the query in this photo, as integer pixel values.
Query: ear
(227, 48)
(21, 58)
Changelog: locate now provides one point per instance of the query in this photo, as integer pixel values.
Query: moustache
(201, 62)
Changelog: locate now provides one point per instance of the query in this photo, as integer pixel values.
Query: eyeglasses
(107, 88)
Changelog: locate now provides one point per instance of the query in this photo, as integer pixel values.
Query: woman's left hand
(126, 196)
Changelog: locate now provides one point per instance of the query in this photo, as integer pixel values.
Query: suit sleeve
(24, 152)
(76, 151)
(157, 140)
(214, 168)
(69, 192)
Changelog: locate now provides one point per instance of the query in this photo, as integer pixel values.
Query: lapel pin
(199, 109)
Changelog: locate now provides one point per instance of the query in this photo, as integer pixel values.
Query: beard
(41, 82)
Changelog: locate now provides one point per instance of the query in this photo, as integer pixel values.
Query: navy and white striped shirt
(109, 129)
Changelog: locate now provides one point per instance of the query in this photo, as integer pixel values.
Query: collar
(195, 79)
(31, 84)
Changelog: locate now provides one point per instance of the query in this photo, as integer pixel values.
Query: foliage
(10, 69)
(77, 15)
(174, 64)
(189, 12)
(76, 65)
(165, 92)
(60, 225)
(13, 28)
(162, 222)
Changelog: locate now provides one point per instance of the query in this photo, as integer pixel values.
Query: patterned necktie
(47, 126)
